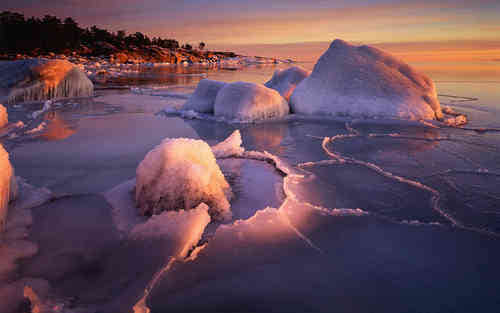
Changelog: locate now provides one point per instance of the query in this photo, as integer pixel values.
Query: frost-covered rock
(3, 116)
(41, 79)
(244, 101)
(362, 81)
(180, 174)
(8, 186)
(285, 81)
(203, 98)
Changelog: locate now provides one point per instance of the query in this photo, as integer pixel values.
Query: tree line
(51, 34)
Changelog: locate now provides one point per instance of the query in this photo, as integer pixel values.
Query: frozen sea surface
(338, 216)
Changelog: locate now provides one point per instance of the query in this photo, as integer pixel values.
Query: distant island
(51, 37)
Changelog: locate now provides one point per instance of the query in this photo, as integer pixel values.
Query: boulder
(8, 186)
(3, 116)
(42, 79)
(285, 81)
(203, 98)
(242, 101)
(179, 174)
(363, 81)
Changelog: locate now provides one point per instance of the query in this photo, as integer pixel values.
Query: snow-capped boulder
(363, 81)
(180, 174)
(3, 116)
(285, 81)
(244, 101)
(8, 186)
(203, 98)
(41, 79)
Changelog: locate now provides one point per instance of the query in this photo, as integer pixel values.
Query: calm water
(427, 239)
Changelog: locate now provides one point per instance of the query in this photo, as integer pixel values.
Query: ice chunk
(456, 120)
(41, 79)
(229, 147)
(7, 186)
(362, 81)
(203, 98)
(242, 101)
(3, 116)
(180, 174)
(285, 81)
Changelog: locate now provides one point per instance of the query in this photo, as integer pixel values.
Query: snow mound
(8, 186)
(180, 174)
(230, 147)
(362, 81)
(3, 116)
(203, 98)
(41, 79)
(285, 81)
(242, 101)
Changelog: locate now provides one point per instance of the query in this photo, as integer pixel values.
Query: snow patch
(7, 186)
(230, 147)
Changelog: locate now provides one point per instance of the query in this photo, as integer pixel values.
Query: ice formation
(203, 98)
(7, 186)
(362, 81)
(230, 147)
(242, 101)
(285, 81)
(179, 174)
(3, 116)
(41, 79)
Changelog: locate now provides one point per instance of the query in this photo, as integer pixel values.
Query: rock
(41, 79)
(285, 81)
(244, 101)
(179, 174)
(203, 98)
(8, 186)
(362, 81)
(3, 116)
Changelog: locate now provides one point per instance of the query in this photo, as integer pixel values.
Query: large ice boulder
(244, 101)
(363, 81)
(180, 174)
(41, 79)
(203, 98)
(285, 81)
(3, 116)
(8, 186)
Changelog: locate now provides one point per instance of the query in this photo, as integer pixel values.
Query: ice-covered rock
(41, 79)
(8, 186)
(3, 116)
(285, 81)
(242, 101)
(180, 174)
(363, 81)
(203, 98)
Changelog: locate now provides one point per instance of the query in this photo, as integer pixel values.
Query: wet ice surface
(389, 217)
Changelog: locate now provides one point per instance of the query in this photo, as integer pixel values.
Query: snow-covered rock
(180, 174)
(285, 81)
(8, 186)
(244, 101)
(362, 81)
(41, 79)
(3, 116)
(203, 98)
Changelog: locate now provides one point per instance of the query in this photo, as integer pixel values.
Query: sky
(259, 24)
